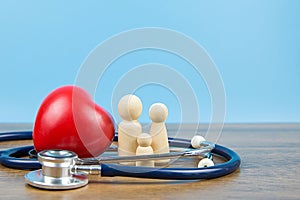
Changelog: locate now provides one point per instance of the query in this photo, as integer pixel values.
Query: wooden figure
(129, 108)
(158, 113)
(144, 148)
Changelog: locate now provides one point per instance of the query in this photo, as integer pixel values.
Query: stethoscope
(62, 169)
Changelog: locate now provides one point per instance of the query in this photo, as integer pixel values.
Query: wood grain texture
(270, 170)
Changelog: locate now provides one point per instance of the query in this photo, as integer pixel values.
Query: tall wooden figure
(129, 108)
(158, 113)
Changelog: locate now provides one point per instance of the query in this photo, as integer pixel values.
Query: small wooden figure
(144, 148)
(158, 113)
(129, 108)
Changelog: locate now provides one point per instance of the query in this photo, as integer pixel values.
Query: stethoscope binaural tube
(178, 173)
(13, 158)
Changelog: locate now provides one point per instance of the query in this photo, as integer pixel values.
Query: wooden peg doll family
(131, 140)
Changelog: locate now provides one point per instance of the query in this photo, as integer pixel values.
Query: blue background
(254, 43)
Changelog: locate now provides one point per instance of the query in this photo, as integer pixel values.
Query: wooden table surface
(270, 167)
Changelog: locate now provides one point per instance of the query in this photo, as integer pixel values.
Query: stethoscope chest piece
(55, 172)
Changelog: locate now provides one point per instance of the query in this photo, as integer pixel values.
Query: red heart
(69, 119)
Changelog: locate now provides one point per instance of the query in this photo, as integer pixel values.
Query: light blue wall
(254, 43)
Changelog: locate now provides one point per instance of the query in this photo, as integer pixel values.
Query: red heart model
(69, 119)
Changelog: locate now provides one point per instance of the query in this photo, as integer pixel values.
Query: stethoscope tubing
(12, 158)
(15, 135)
